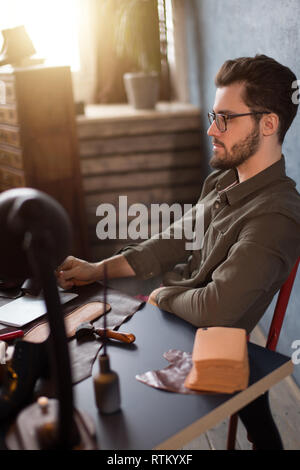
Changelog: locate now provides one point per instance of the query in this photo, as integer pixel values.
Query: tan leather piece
(220, 360)
(219, 344)
(86, 313)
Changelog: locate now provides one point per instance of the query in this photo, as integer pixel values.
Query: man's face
(241, 140)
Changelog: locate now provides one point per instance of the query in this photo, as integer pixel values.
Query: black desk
(155, 419)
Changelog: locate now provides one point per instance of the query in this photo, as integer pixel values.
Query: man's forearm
(77, 272)
(117, 266)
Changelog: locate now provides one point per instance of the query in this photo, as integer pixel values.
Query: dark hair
(268, 86)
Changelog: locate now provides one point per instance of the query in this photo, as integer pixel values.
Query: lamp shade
(26, 212)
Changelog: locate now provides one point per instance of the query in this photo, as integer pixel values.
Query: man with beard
(251, 220)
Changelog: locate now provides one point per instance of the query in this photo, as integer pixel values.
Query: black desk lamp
(35, 238)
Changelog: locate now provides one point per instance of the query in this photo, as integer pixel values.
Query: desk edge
(225, 410)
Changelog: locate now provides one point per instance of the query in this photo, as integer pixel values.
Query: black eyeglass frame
(212, 117)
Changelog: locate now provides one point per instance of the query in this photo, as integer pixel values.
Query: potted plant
(137, 38)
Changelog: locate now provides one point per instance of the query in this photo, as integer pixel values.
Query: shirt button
(216, 205)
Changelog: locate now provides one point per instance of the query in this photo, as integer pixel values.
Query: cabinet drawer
(7, 91)
(11, 179)
(10, 135)
(8, 114)
(11, 157)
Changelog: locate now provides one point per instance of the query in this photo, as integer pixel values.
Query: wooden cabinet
(151, 157)
(38, 139)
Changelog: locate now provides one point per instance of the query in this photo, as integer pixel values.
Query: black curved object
(35, 238)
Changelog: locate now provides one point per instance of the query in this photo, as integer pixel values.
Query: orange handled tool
(124, 337)
(85, 330)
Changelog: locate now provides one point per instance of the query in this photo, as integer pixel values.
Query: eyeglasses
(221, 119)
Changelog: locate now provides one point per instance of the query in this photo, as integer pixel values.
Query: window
(122, 27)
(76, 33)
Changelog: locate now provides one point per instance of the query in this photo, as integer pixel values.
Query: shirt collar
(260, 180)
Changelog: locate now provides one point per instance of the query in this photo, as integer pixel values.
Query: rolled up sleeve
(161, 252)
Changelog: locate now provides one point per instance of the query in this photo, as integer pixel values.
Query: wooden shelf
(151, 156)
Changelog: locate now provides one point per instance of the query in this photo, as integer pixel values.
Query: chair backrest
(273, 336)
(280, 309)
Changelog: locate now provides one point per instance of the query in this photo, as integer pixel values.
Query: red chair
(273, 336)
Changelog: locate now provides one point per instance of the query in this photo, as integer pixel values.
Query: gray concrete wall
(221, 29)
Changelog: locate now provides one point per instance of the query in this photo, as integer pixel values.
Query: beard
(239, 153)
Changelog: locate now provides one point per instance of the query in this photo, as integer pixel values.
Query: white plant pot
(142, 89)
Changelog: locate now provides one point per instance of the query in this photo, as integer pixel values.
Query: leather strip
(123, 306)
(86, 313)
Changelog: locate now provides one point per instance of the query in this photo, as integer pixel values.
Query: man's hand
(77, 272)
(152, 296)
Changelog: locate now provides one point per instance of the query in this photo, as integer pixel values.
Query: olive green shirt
(251, 242)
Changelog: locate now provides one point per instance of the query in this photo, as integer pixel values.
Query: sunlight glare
(52, 25)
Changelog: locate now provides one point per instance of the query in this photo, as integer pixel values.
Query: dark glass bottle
(107, 387)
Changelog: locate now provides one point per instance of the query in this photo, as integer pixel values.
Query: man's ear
(269, 124)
